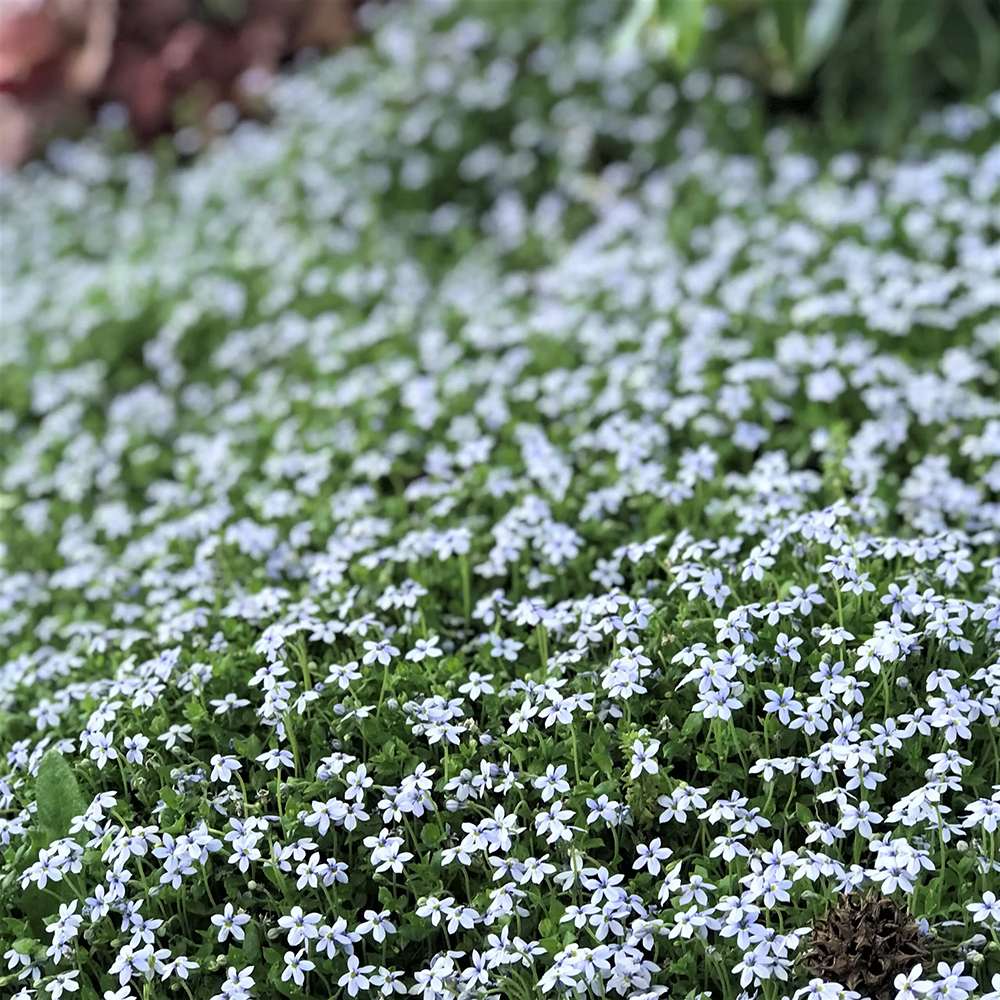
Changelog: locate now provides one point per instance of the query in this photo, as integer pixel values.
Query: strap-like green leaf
(666, 27)
(790, 19)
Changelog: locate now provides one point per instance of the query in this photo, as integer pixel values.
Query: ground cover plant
(514, 526)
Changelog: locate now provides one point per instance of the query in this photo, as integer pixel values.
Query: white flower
(644, 758)
(230, 922)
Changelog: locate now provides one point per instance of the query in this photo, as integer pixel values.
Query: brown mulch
(167, 62)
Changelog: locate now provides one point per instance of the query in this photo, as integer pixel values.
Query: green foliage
(865, 69)
(670, 26)
(58, 795)
(256, 428)
(799, 35)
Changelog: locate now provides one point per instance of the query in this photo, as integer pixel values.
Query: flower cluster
(486, 534)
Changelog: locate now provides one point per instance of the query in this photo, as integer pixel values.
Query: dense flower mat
(512, 527)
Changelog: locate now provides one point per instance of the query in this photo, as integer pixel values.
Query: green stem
(463, 565)
(543, 645)
(291, 739)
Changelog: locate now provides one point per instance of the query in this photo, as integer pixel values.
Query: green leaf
(250, 948)
(801, 34)
(681, 24)
(790, 18)
(692, 726)
(386, 898)
(668, 27)
(822, 29)
(639, 16)
(432, 834)
(602, 755)
(194, 711)
(58, 795)
(551, 944)
(910, 26)
(170, 797)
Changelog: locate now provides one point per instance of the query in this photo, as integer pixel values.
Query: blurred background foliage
(864, 69)
(855, 73)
